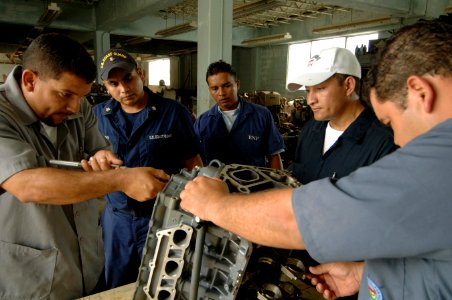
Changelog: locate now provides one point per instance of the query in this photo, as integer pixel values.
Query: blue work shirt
(162, 138)
(361, 144)
(253, 136)
(394, 214)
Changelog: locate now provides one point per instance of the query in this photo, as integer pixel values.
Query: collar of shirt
(356, 131)
(229, 116)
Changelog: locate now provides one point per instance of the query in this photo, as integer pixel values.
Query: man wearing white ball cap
(345, 133)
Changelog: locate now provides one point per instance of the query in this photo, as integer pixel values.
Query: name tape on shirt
(160, 136)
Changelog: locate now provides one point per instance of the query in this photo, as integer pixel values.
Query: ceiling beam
(71, 17)
(378, 6)
(114, 14)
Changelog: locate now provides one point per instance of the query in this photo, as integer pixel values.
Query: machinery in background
(299, 112)
(294, 114)
(187, 258)
(98, 94)
(269, 99)
(290, 117)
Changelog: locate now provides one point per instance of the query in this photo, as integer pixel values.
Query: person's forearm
(275, 162)
(265, 218)
(57, 186)
(359, 270)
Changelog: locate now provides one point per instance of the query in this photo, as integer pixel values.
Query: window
(319, 45)
(299, 54)
(159, 69)
(360, 40)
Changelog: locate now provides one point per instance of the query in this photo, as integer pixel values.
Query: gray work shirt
(46, 251)
(394, 214)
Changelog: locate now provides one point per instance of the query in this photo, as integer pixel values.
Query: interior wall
(5, 69)
(243, 64)
(188, 71)
(258, 69)
(262, 69)
(272, 68)
(187, 78)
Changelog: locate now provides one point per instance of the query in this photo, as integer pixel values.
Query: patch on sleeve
(374, 291)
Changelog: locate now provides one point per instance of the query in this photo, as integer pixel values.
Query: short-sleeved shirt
(163, 138)
(362, 143)
(395, 214)
(253, 136)
(46, 251)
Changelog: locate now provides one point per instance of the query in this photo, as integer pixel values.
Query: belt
(146, 212)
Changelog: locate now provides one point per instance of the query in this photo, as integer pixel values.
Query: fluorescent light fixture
(51, 13)
(182, 28)
(267, 39)
(254, 8)
(365, 24)
(137, 40)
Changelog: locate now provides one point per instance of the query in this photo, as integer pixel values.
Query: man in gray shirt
(398, 209)
(50, 239)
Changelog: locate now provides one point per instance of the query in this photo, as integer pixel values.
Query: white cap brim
(308, 79)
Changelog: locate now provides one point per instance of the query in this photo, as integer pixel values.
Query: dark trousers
(124, 237)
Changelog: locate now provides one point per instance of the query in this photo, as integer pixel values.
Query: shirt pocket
(160, 149)
(114, 142)
(26, 273)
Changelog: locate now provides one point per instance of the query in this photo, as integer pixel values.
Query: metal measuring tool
(72, 164)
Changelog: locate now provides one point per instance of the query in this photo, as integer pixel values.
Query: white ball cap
(324, 65)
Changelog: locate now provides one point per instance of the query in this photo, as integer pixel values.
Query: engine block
(186, 258)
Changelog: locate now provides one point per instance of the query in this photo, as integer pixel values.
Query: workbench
(124, 292)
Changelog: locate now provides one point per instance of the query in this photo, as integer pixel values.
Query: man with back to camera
(345, 133)
(398, 208)
(144, 129)
(233, 130)
(50, 243)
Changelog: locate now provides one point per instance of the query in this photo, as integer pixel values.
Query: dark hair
(418, 49)
(220, 67)
(341, 77)
(52, 54)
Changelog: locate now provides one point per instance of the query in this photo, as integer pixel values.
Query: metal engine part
(273, 274)
(186, 258)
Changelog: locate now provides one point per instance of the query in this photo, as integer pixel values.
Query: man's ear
(141, 74)
(421, 90)
(28, 80)
(350, 84)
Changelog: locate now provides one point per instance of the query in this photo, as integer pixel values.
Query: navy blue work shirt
(361, 144)
(253, 136)
(162, 138)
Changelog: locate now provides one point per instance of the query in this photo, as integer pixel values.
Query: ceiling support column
(101, 44)
(214, 43)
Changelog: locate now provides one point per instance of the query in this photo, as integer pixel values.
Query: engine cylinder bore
(180, 238)
(171, 268)
(271, 292)
(164, 295)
